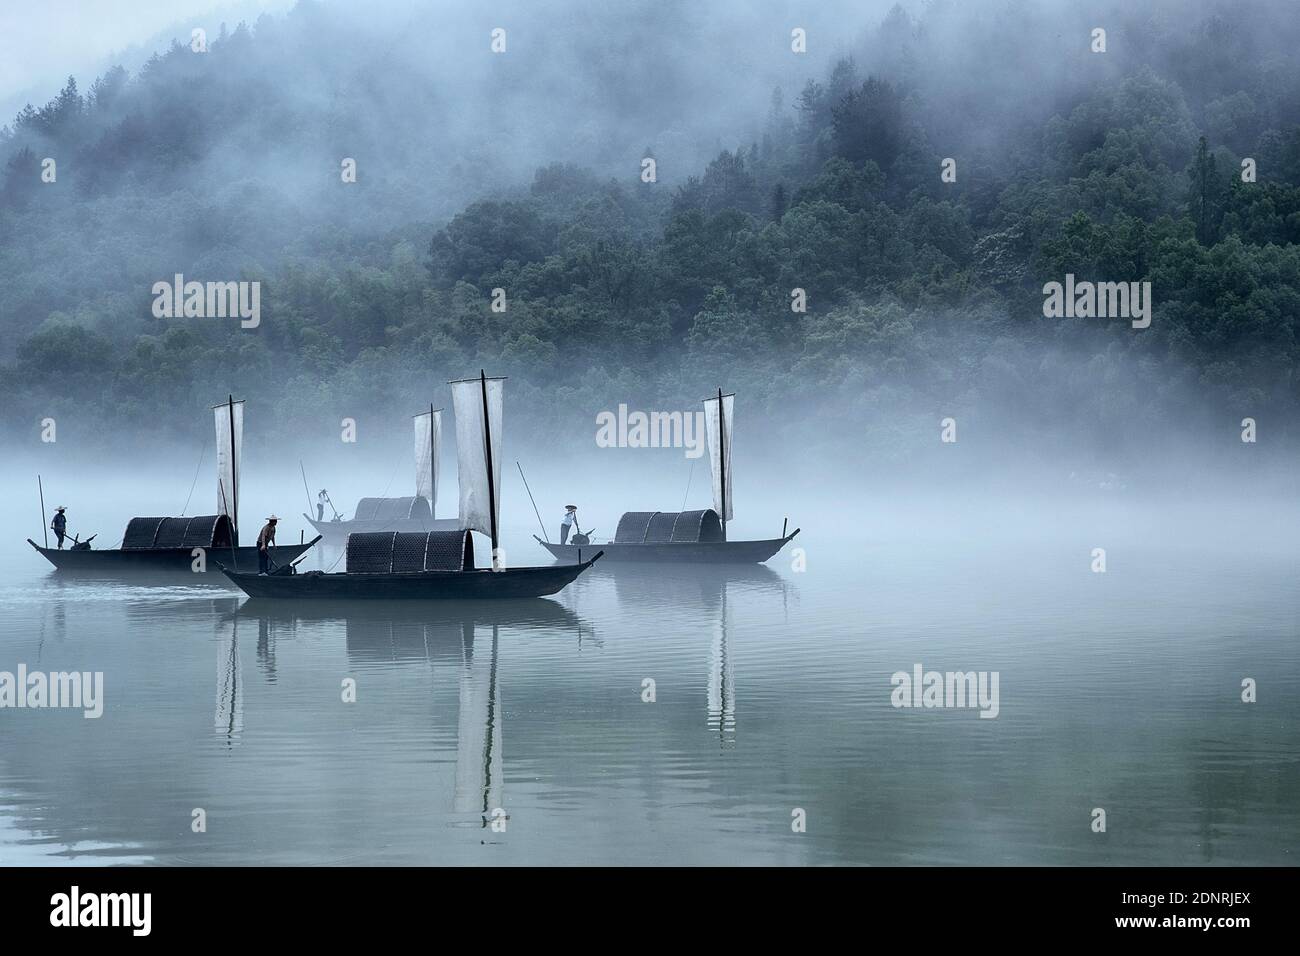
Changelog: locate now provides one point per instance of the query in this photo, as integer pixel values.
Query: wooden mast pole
(722, 461)
(487, 446)
(234, 470)
(433, 475)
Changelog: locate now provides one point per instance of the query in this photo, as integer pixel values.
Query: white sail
(471, 450)
(428, 439)
(720, 451)
(230, 457)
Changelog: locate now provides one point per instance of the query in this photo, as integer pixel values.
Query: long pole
(45, 524)
(530, 498)
(305, 489)
(234, 470)
(487, 445)
(722, 461)
(433, 474)
(234, 557)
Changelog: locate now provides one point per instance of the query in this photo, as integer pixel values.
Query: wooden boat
(402, 566)
(383, 514)
(434, 565)
(670, 537)
(170, 545)
(183, 544)
(688, 536)
(415, 513)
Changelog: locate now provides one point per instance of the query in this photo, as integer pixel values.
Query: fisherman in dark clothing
(569, 523)
(60, 524)
(320, 504)
(266, 541)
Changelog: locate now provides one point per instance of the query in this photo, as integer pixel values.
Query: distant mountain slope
(230, 159)
(499, 219)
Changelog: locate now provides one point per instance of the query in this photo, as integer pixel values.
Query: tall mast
(433, 475)
(722, 461)
(234, 469)
(487, 445)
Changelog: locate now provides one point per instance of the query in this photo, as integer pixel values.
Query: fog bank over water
(1243, 507)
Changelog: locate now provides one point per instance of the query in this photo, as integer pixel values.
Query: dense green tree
(867, 123)
(1206, 195)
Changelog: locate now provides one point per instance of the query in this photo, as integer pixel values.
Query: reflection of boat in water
(465, 635)
(510, 613)
(228, 717)
(687, 537)
(401, 630)
(479, 730)
(185, 545)
(128, 580)
(713, 590)
(694, 583)
(722, 680)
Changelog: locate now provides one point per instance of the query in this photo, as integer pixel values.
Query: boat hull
(510, 584)
(337, 531)
(115, 560)
(678, 552)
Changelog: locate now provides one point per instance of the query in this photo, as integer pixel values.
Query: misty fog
(520, 171)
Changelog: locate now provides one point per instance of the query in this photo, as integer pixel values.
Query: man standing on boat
(266, 541)
(569, 523)
(60, 524)
(320, 504)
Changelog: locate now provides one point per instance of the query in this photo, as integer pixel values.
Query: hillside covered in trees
(924, 296)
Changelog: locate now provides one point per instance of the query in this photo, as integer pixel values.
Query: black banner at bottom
(335, 905)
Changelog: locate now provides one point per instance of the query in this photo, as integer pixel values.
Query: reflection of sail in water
(706, 590)
(229, 719)
(266, 647)
(478, 749)
(722, 685)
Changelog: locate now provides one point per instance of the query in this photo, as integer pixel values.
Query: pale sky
(42, 43)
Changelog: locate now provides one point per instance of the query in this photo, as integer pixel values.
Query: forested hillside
(924, 296)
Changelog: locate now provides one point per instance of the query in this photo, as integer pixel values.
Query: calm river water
(1119, 691)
